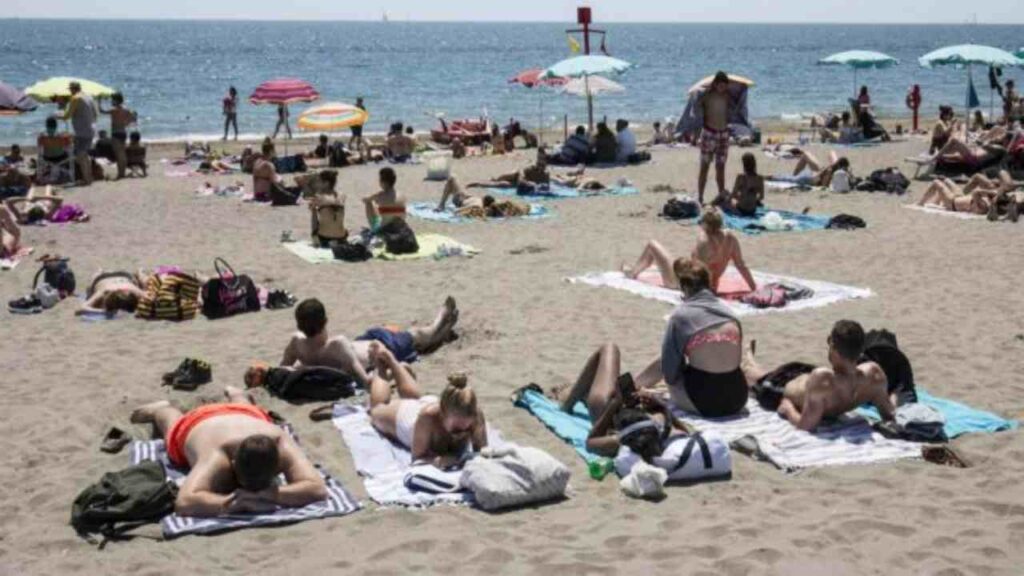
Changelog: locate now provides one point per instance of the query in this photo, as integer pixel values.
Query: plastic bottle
(600, 468)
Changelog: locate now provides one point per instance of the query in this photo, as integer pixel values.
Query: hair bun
(458, 380)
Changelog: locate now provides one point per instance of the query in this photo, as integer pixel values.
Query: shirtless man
(386, 204)
(716, 248)
(120, 119)
(312, 346)
(716, 105)
(234, 454)
(821, 393)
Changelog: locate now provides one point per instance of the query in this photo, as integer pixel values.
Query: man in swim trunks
(716, 105)
(811, 395)
(234, 453)
(312, 346)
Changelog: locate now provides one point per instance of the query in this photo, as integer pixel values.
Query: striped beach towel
(338, 503)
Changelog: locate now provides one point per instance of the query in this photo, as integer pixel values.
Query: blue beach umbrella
(585, 67)
(965, 56)
(859, 60)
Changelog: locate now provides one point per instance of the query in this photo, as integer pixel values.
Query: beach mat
(943, 212)
(384, 464)
(12, 262)
(572, 427)
(649, 285)
(847, 440)
(426, 211)
(752, 224)
(429, 243)
(338, 503)
(557, 192)
(960, 418)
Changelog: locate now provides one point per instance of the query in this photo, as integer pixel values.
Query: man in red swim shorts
(716, 106)
(234, 453)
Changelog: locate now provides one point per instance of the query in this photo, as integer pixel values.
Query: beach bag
(309, 384)
(701, 456)
(229, 294)
(767, 296)
(124, 500)
(173, 296)
(398, 237)
(337, 156)
(58, 275)
(351, 252)
(846, 222)
(514, 476)
(639, 157)
(881, 348)
(290, 164)
(889, 180)
(680, 209)
(770, 388)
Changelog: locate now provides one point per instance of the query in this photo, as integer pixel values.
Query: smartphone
(627, 390)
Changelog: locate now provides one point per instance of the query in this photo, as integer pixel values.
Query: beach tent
(14, 101)
(692, 119)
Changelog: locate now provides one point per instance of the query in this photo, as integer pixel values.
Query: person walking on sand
(230, 110)
(282, 120)
(716, 107)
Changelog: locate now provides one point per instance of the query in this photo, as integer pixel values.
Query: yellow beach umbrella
(331, 117)
(48, 90)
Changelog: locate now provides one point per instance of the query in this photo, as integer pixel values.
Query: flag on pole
(574, 45)
(972, 95)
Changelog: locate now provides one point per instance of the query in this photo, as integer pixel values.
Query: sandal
(325, 412)
(944, 455)
(115, 440)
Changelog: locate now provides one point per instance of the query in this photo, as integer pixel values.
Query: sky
(802, 11)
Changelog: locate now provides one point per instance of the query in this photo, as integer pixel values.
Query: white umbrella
(859, 60)
(965, 55)
(591, 86)
(584, 67)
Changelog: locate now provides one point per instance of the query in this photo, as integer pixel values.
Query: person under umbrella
(282, 120)
(81, 110)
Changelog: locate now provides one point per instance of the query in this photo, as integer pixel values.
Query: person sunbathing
(312, 346)
(809, 395)
(110, 292)
(493, 208)
(10, 234)
(974, 198)
(809, 171)
(973, 156)
(34, 207)
(387, 204)
(460, 198)
(535, 174)
(234, 453)
(716, 248)
(748, 190)
(436, 430)
(943, 130)
(400, 145)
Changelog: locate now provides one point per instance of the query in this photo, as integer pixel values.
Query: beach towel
(649, 285)
(11, 262)
(847, 440)
(793, 221)
(572, 427)
(431, 245)
(558, 192)
(943, 212)
(385, 465)
(338, 503)
(426, 211)
(960, 418)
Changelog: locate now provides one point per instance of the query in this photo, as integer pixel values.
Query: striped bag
(173, 296)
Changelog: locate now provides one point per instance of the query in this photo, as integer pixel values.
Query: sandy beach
(949, 289)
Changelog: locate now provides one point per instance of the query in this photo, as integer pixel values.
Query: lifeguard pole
(584, 17)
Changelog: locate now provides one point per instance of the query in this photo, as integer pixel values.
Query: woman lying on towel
(621, 414)
(469, 206)
(972, 157)
(809, 171)
(37, 208)
(537, 174)
(436, 430)
(976, 197)
(716, 248)
(112, 291)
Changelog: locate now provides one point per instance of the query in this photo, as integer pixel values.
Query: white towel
(943, 212)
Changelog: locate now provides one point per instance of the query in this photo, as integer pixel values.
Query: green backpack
(124, 500)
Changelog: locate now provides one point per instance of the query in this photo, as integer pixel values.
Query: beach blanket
(847, 440)
(11, 262)
(794, 222)
(572, 427)
(939, 211)
(960, 418)
(385, 465)
(429, 246)
(338, 503)
(649, 285)
(558, 192)
(236, 190)
(426, 211)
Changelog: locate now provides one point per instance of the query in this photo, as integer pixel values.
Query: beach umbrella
(734, 80)
(331, 117)
(531, 79)
(284, 91)
(967, 55)
(14, 101)
(591, 86)
(584, 67)
(859, 60)
(53, 88)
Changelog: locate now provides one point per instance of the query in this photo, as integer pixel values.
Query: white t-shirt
(627, 145)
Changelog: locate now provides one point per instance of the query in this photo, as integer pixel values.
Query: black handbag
(229, 294)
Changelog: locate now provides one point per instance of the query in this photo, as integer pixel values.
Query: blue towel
(555, 191)
(748, 224)
(425, 211)
(573, 428)
(960, 419)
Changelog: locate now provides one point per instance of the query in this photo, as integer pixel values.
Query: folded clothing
(399, 342)
(959, 418)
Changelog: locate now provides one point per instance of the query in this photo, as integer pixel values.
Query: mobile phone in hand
(627, 390)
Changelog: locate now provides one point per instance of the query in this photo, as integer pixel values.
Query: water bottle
(600, 467)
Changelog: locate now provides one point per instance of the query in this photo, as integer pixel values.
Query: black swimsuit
(715, 394)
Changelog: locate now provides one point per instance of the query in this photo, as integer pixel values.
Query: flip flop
(944, 455)
(322, 413)
(115, 440)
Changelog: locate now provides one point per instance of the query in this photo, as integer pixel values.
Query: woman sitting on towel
(810, 172)
(437, 430)
(716, 248)
(112, 291)
(625, 414)
(748, 191)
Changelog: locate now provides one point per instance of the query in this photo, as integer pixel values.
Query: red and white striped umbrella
(284, 91)
(531, 78)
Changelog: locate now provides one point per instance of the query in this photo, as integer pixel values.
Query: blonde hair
(712, 221)
(458, 397)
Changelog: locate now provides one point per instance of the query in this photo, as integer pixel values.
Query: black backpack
(398, 237)
(337, 156)
(58, 275)
(846, 222)
(889, 180)
(677, 209)
(229, 294)
(770, 388)
(315, 383)
(351, 252)
(124, 500)
(881, 348)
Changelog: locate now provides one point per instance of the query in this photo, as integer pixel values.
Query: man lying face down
(806, 395)
(234, 453)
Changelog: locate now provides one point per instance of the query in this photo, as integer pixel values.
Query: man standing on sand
(716, 107)
(234, 453)
(356, 143)
(82, 112)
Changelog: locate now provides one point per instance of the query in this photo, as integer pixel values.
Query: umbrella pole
(540, 124)
(854, 82)
(590, 104)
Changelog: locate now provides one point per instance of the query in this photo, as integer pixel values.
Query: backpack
(337, 156)
(315, 383)
(173, 296)
(398, 237)
(229, 294)
(124, 500)
(846, 222)
(770, 388)
(351, 252)
(881, 348)
(889, 180)
(58, 275)
(680, 209)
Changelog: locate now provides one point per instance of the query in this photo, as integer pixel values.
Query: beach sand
(949, 289)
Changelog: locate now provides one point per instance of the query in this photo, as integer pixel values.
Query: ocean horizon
(175, 72)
